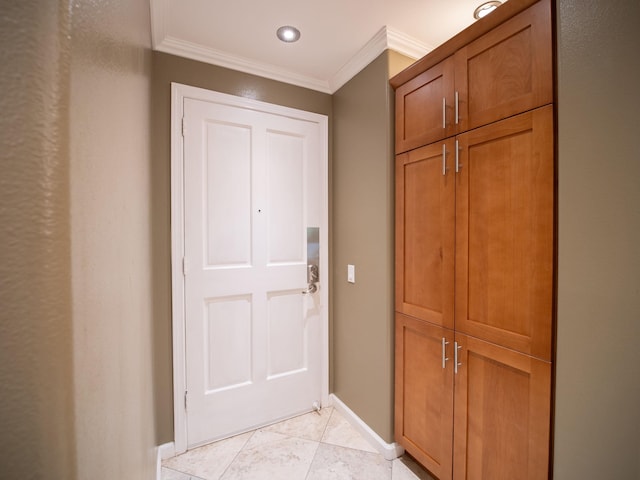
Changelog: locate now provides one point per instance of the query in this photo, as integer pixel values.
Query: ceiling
(339, 37)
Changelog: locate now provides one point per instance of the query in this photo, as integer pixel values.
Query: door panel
(502, 413)
(506, 71)
(252, 339)
(424, 393)
(504, 233)
(425, 107)
(425, 201)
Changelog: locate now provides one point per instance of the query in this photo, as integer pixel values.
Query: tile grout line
(235, 457)
(319, 442)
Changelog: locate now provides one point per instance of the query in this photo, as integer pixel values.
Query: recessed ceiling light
(288, 34)
(485, 9)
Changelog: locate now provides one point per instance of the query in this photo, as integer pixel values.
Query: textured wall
(35, 299)
(597, 424)
(166, 69)
(112, 267)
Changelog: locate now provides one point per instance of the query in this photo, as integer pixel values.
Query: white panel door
(253, 340)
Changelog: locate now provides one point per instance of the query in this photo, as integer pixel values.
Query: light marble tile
(405, 468)
(336, 463)
(271, 456)
(169, 474)
(340, 432)
(310, 426)
(209, 461)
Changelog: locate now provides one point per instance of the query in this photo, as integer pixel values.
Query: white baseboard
(389, 451)
(164, 451)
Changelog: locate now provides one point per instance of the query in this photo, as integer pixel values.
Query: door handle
(313, 259)
(312, 279)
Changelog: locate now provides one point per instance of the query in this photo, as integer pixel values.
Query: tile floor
(315, 446)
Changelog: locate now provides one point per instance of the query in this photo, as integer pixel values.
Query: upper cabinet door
(506, 71)
(425, 223)
(504, 233)
(425, 107)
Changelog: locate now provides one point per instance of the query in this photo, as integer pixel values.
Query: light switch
(351, 273)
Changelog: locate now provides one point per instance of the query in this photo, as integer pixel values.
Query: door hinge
(184, 265)
(185, 400)
(183, 127)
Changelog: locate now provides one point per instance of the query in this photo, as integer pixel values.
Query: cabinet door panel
(419, 107)
(424, 394)
(502, 413)
(425, 208)
(506, 71)
(504, 233)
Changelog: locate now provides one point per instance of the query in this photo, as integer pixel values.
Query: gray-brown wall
(111, 266)
(166, 69)
(597, 416)
(363, 230)
(36, 408)
(76, 313)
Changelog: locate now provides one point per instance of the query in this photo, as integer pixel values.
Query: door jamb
(178, 93)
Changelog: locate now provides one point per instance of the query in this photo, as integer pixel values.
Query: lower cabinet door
(424, 393)
(502, 413)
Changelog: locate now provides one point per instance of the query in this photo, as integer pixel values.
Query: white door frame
(178, 93)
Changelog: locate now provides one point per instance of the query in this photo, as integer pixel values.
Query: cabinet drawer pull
(456, 364)
(457, 113)
(444, 352)
(457, 157)
(444, 159)
(444, 112)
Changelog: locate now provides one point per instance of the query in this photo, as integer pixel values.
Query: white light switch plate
(351, 273)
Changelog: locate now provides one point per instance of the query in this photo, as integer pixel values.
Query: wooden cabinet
(425, 233)
(475, 249)
(502, 411)
(424, 392)
(490, 425)
(506, 71)
(425, 107)
(504, 233)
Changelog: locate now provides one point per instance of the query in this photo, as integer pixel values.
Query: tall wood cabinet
(475, 185)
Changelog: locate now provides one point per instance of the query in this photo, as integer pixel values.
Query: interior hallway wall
(597, 415)
(75, 365)
(363, 235)
(36, 408)
(166, 69)
(111, 263)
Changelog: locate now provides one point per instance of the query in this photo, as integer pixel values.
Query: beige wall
(36, 425)
(363, 198)
(597, 416)
(75, 364)
(112, 268)
(166, 69)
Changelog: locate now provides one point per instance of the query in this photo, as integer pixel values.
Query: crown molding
(385, 38)
(406, 45)
(201, 53)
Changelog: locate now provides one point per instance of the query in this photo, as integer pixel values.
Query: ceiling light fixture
(485, 9)
(288, 34)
